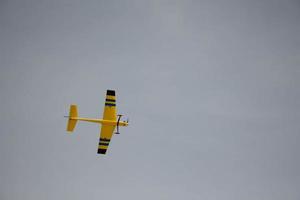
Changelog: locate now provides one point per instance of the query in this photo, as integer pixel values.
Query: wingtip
(101, 151)
(111, 92)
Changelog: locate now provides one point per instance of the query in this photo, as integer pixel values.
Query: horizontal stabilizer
(72, 118)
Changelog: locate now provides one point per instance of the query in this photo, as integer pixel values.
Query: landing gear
(119, 117)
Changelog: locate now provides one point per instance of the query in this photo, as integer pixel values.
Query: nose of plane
(125, 123)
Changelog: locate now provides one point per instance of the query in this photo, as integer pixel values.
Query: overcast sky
(211, 89)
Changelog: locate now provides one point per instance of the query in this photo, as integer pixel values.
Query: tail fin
(72, 118)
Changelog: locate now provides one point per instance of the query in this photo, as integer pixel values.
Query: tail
(72, 118)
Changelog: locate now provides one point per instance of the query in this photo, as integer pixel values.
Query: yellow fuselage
(101, 121)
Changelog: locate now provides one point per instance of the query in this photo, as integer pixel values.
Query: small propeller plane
(109, 122)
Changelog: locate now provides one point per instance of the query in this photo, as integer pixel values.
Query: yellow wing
(110, 113)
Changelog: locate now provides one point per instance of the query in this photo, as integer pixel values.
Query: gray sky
(211, 89)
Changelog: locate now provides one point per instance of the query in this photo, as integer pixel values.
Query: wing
(105, 136)
(110, 111)
(108, 114)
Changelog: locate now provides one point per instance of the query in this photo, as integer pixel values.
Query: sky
(211, 89)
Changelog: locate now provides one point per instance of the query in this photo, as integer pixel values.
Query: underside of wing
(110, 111)
(105, 137)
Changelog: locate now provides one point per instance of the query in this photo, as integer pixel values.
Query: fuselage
(101, 121)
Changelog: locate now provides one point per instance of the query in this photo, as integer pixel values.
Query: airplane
(109, 122)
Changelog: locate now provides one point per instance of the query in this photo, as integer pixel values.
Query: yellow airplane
(109, 121)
